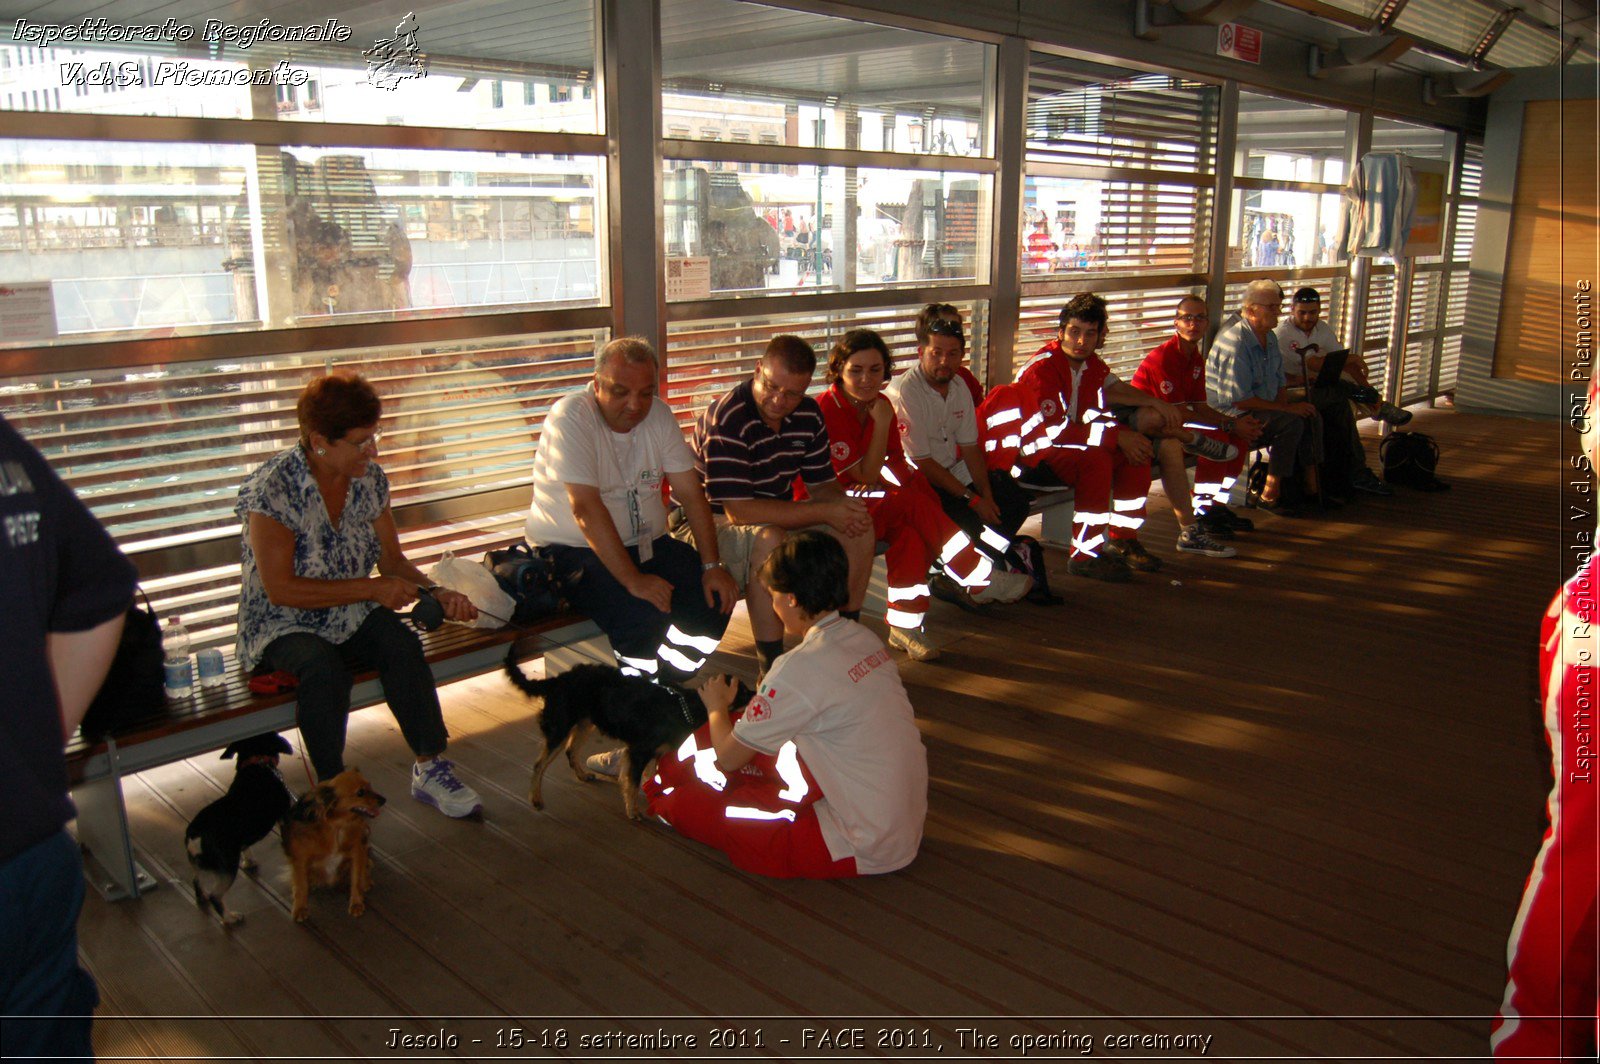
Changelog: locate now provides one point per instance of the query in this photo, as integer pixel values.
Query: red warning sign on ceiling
(1239, 42)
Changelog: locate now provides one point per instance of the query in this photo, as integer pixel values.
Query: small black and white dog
(220, 835)
(648, 719)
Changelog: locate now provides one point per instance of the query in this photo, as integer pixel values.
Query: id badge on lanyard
(643, 534)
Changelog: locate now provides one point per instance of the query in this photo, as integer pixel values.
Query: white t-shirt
(578, 447)
(838, 695)
(1292, 341)
(934, 426)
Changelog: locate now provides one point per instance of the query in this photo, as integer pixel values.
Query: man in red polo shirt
(1175, 372)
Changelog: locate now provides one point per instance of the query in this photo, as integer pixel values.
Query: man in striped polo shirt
(750, 447)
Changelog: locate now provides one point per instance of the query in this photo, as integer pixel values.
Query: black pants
(669, 646)
(383, 642)
(1292, 442)
(1339, 424)
(1009, 499)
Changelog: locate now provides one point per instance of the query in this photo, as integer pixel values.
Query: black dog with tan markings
(648, 719)
(220, 836)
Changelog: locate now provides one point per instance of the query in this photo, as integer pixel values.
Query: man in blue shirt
(1244, 375)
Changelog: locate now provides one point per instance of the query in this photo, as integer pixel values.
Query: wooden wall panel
(1555, 240)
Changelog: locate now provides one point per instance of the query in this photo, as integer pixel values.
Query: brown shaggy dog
(326, 836)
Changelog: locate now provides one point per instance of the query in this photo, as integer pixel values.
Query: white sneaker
(1004, 586)
(914, 641)
(435, 783)
(607, 764)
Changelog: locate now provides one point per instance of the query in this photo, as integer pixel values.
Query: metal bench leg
(109, 865)
(1056, 525)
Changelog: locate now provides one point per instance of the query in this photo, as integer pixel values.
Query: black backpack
(1410, 459)
(134, 688)
(528, 577)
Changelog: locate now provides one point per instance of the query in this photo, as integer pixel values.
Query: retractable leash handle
(428, 615)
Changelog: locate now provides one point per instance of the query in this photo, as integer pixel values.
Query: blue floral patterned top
(284, 490)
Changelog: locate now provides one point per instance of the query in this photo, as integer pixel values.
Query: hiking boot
(1205, 447)
(435, 783)
(1110, 568)
(1367, 481)
(1195, 540)
(1392, 414)
(1004, 587)
(914, 641)
(1220, 513)
(943, 588)
(607, 763)
(1133, 555)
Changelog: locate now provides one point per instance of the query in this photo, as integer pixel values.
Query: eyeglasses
(368, 444)
(772, 389)
(1194, 317)
(1278, 307)
(946, 327)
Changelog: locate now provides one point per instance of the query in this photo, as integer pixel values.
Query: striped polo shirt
(739, 457)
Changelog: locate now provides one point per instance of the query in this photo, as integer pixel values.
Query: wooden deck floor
(1284, 803)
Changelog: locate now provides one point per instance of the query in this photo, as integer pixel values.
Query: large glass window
(1118, 169)
(828, 228)
(140, 239)
(365, 64)
(809, 80)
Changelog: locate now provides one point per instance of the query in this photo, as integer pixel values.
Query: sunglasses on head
(946, 327)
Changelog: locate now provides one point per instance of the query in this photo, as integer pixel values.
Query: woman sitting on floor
(316, 522)
(864, 442)
(824, 774)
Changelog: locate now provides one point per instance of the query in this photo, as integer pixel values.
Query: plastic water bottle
(177, 668)
(209, 664)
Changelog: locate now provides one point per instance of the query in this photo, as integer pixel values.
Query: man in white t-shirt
(1305, 341)
(939, 432)
(598, 509)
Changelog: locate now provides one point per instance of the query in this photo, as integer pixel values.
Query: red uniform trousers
(920, 534)
(1551, 1008)
(762, 816)
(1109, 492)
(1213, 481)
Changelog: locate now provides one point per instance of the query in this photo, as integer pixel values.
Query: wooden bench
(213, 717)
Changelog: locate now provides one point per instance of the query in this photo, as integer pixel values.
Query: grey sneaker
(1394, 415)
(914, 641)
(1100, 567)
(607, 764)
(1206, 447)
(1004, 586)
(435, 783)
(1194, 540)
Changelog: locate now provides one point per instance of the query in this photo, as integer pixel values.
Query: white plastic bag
(479, 585)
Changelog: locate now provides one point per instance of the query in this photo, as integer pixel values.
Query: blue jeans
(383, 642)
(41, 892)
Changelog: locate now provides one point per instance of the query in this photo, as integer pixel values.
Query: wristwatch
(969, 495)
(708, 566)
